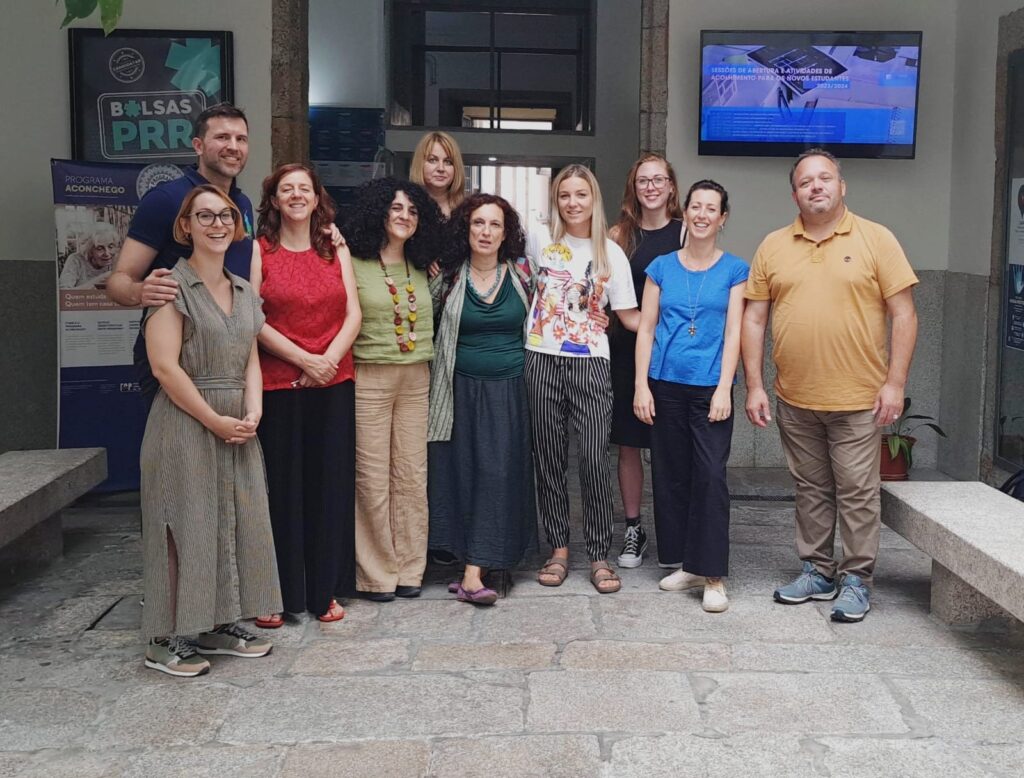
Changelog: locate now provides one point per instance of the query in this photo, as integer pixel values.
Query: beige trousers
(834, 458)
(391, 475)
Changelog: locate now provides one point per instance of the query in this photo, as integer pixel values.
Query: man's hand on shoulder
(158, 288)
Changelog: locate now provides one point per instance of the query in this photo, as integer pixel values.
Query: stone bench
(34, 487)
(975, 537)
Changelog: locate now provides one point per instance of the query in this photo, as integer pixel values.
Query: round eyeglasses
(207, 218)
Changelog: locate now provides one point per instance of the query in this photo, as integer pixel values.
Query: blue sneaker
(852, 604)
(809, 585)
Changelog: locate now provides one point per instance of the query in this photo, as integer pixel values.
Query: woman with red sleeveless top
(308, 427)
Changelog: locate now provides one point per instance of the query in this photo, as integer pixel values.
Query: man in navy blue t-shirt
(150, 251)
(142, 273)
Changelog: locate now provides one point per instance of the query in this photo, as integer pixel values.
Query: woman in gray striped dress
(208, 550)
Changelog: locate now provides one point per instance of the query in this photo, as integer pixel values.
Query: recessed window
(492, 65)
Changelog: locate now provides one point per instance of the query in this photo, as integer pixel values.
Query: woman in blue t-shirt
(687, 350)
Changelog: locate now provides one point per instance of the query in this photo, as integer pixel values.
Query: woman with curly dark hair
(481, 469)
(308, 430)
(393, 232)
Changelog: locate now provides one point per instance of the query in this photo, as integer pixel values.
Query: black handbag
(1014, 485)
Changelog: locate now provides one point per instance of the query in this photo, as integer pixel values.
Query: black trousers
(308, 439)
(691, 496)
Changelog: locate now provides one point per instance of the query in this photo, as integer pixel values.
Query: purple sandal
(482, 596)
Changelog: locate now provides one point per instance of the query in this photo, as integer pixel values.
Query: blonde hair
(457, 188)
(183, 237)
(598, 225)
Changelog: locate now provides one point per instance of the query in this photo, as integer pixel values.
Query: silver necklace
(692, 304)
(490, 291)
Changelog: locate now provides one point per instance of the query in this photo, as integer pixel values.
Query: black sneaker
(634, 548)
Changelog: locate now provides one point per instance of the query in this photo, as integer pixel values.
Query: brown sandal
(605, 575)
(552, 568)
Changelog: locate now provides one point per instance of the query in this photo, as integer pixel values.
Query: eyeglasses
(657, 182)
(207, 218)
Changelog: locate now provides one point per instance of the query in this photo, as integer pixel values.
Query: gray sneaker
(232, 640)
(175, 656)
(809, 585)
(853, 604)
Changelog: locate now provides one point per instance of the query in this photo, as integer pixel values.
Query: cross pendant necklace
(692, 303)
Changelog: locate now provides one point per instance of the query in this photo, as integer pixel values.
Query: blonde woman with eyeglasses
(579, 271)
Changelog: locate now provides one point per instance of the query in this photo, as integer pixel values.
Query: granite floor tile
(610, 701)
(334, 709)
(673, 755)
(794, 704)
(551, 756)
(404, 758)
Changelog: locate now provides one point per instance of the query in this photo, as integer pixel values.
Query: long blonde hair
(457, 188)
(598, 226)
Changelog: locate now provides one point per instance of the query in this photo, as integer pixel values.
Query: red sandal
(334, 612)
(273, 621)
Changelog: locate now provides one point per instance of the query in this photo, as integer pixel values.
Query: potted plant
(898, 443)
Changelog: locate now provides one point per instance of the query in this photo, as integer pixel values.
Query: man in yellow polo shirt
(830, 280)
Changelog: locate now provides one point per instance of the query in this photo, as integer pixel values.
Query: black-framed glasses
(657, 182)
(207, 218)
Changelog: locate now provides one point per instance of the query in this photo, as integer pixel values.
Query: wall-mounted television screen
(774, 93)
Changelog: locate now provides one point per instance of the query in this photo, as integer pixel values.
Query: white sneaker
(715, 600)
(681, 580)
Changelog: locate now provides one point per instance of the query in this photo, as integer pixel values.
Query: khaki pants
(834, 458)
(391, 475)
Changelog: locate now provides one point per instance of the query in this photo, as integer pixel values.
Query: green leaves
(110, 12)
(897, 444)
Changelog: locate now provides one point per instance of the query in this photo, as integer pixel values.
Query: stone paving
(552, 682)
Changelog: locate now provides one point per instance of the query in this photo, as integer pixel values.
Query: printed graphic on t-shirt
(562, 306)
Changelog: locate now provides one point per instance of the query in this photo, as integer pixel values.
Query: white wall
(34, 89)
(974, 152)
(912, 197)
(346, 53)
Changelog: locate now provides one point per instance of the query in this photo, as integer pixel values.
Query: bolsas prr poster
(135, 94)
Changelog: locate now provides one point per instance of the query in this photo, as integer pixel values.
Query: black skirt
(627, 429)
(480, 482)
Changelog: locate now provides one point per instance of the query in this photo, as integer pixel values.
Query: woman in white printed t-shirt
(579, 271)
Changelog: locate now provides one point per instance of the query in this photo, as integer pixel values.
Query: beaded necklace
(406, 341)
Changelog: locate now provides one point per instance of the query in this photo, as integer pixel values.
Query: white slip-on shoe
(715, 600)
(681, 580)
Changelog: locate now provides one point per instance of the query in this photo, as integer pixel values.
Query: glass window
(445, 65)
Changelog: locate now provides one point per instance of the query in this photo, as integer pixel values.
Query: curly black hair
(455, 247)
(364, 223)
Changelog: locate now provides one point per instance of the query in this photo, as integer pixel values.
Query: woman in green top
(392, 232)
(481, 491)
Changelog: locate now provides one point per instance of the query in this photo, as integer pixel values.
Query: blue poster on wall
(100, 403)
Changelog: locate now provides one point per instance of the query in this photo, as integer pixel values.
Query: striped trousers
(574, 391)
